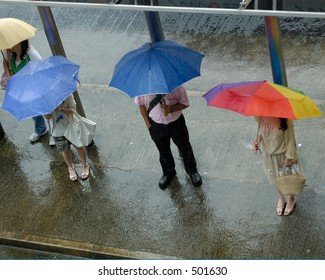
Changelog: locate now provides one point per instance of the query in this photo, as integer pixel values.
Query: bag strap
(154, 102)
(294, 169)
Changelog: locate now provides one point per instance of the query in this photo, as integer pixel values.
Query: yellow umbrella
(13, 31)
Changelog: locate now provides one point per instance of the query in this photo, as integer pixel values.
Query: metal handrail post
(55, 43)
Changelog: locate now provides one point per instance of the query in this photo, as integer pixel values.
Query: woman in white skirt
(276, 141)
(60, 120)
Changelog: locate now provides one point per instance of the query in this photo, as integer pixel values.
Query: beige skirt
(274, 163)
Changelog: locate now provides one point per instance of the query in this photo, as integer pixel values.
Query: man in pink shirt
(165, 121)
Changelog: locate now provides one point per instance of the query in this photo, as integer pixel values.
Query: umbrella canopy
(261, 98)
(13, 31)
(156, 68)
(40, 87)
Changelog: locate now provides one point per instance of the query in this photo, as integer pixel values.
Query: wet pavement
(120, 211)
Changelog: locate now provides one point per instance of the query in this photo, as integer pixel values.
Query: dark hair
(24, 49)
(283, 124)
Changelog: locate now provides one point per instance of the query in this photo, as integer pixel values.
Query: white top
(60, 120)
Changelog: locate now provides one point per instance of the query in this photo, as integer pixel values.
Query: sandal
(85, 175)
(73, 175)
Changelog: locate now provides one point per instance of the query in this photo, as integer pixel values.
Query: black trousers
(161, 134)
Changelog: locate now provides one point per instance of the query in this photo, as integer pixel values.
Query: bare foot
(73, 174)
(85, 172)
(290, 205)
(280, 206)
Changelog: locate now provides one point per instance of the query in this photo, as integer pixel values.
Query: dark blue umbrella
(156, 68)
(40, 87)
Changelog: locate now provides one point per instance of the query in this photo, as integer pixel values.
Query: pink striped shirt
(179, 95)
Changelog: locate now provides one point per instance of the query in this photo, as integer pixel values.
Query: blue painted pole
(153, 22)
(273, 35)
(154, 26)
(55, 43)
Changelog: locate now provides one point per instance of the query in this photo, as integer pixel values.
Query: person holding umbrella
(276, 140)
(20, 55)
(275, 107)
(154, 75)
(60, 118)
(165, 121)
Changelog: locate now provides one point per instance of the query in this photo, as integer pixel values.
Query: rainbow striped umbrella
(262, 98)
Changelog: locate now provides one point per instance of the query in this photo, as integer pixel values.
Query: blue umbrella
(40, 87)
(156, 68)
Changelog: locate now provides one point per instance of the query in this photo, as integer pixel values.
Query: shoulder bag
(80, 131)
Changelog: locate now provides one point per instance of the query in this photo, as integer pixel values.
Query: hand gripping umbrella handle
(256, 142)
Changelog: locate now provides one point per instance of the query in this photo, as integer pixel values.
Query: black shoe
(196, 179)
(166, 179)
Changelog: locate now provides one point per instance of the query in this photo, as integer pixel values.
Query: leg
(67, 156)
(281, 204)
(85, 167)
(39, 128)
(181, 138)
(52, 142)
(63, 145)
(160, 135)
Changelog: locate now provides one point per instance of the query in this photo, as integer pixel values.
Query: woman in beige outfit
(276, 140)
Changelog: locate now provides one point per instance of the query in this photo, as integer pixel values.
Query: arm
(182, 101)
(6, 64)
(6, 68)
(172, 108)
(145, 116)
(291, 153)
(64, 107)
(258, 140)
(34, 54)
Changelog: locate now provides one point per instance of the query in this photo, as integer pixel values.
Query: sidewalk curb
(72, 248)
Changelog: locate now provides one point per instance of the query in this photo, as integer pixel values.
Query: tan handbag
(291, 180)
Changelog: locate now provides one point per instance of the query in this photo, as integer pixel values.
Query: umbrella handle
(4, 58)
(256, 142)
(6, 61)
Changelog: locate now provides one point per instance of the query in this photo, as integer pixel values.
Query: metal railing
(196, 10)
